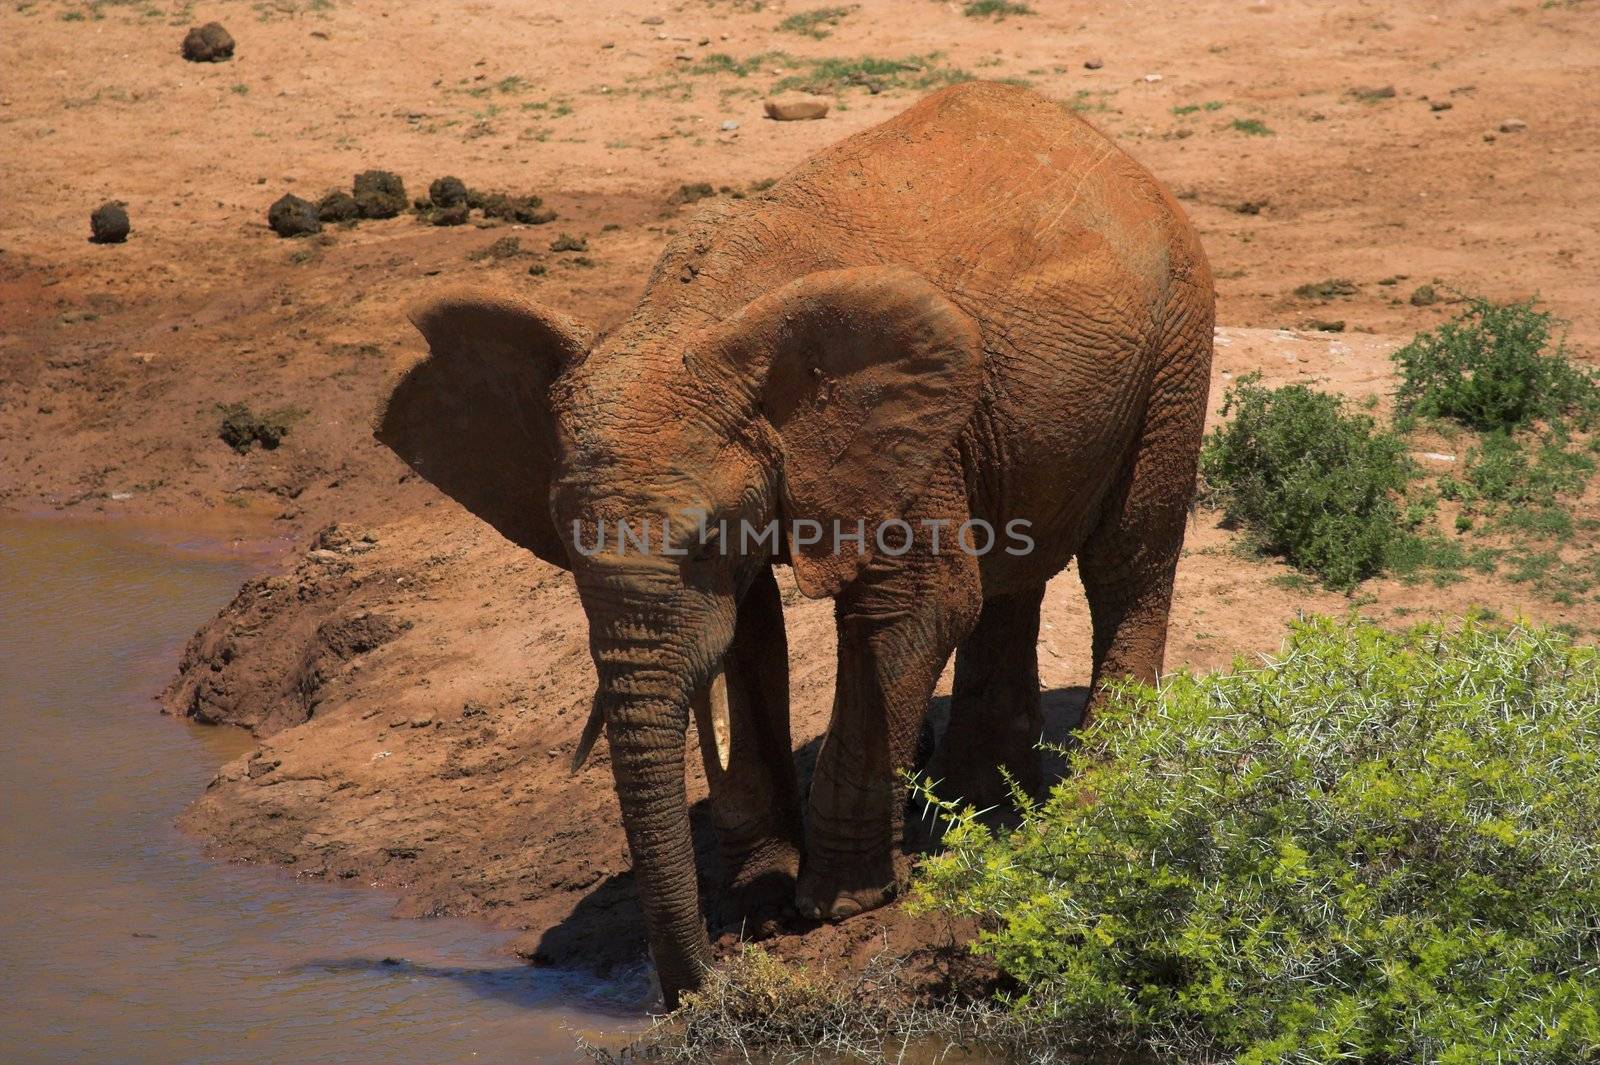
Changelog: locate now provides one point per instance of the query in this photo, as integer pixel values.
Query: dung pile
(208, 44)
(109, 223)
(382, 194)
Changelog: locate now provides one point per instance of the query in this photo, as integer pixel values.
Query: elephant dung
(338, 206)
(379, 194)
(291, 216)
(208, 44)
(796, 107)
(109, 223)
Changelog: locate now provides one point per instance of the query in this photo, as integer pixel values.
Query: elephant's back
(984, 182)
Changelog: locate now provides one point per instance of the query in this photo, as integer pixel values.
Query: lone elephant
(926, 370)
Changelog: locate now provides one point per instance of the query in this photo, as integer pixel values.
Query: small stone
(422, 721)
(322, 554)
(1323, 326)
(208, 44)
(652, 20)
(796, 107)
(379, 194)
(448, 192)
(291, 216)
(1093, 63)
(109, 223)
(1513, 125)
(1440, 105)
(338, 206)
(1152, 78)
(729, 126)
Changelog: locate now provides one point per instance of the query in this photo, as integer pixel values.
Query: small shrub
(1309, 480)
(997, 9)
(1326, 290)
(1374, 847)
(241, 427)
(817, 23)
(1490, 368)
(1251, 126)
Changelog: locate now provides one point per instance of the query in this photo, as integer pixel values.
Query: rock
(208, 44)
(109, 223)
(1325, 326)
(448, 192)
(1152, 78)
(796, 107)
(338, 206)
(652, 20)
(379, 194)
(1424, 296)
(1440, 105)
(1093, 63)
(291, 216)
(1513, 125)
(729, 126)
(422, 721)
(323, 554)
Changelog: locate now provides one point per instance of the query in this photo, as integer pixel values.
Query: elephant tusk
(591, 732)
(710, 705)
(721, 729)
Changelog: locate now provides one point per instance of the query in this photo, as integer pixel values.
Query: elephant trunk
(646, 709)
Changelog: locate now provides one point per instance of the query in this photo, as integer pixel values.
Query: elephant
(979, 314)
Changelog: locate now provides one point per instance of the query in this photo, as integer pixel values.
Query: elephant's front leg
(897, 629)
(755, 797)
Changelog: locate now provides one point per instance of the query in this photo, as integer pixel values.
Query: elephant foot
(760, 900)
(981, 782)
(834, 895)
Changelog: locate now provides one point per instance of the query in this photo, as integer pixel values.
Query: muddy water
(120, 942)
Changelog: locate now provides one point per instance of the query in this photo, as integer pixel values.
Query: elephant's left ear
(475, 416)
(867, 375)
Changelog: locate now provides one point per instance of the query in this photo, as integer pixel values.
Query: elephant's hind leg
(756, 799)
(995, 714)
(1130, 559)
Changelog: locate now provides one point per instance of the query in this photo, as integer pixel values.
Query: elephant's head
(829, 400)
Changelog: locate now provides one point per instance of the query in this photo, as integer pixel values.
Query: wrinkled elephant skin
(980, 310)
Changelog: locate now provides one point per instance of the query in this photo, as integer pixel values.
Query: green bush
(1488, 368)
(1308, 479)
(1375, 847)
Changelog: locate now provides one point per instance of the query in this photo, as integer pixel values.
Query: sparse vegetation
(242, 428)
(1373, 847)
(1332, 288)
(816, 23)
(1252, 126)
(833, 74)
(996, 9)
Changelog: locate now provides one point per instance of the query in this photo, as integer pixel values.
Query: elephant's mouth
(711, 716)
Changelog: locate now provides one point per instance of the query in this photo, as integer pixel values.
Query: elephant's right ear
(474, 417)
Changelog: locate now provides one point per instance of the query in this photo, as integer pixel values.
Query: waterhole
(120, 941)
